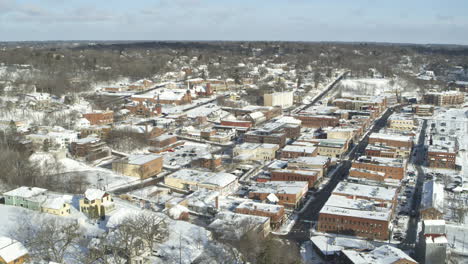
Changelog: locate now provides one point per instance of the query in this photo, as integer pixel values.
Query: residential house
(96, 203)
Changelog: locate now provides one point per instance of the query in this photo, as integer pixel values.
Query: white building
(283, 99)
(433, 242)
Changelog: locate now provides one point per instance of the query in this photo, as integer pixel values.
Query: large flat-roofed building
(357, 217)
(442, 154)
(432, 201)
(257, 136)
(294, 151)
(164, 143)
(187, 179)
(317, 121)
(424, 110)
(392, 140)
(444, 98)
(393, 168)
(402, 122)
(333, 148)
(141, 166)
(288, 194)
(385, 254)
(283, 99)
(310, 176)
(255, 151)
(272, 211)
(90, 149)
(317, 163)
(381, 194)
(99, 117)
(432, 242)
(383, 151)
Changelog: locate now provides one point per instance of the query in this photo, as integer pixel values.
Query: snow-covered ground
(96, 177)
(457, 237)
(369, 86)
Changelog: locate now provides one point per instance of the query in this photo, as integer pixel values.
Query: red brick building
(381, 151)
(274, 212)
(90, 149)
(309, 176)
(100, 117)
(164, 143)
(295, 151)
(354, 217)
(144, 109)
(317, 121)
(259, 137)
(236, 123)
(393, 168)
(439, 157)
(391, 140)
(289, 194)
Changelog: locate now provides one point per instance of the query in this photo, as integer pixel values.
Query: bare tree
(48, 238)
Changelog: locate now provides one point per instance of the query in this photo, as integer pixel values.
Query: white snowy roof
(270, 208)
(394, 137)
(256, 115)
(11, 250)
(56, 203)
(141, 159)
(272, 198)
(433, 196)
(382, 255)
(363, 190)
(358, 213)
(220, 179)
(93, 194)
(317, 160)
(288, 187)
(302, 149)
(25, 192)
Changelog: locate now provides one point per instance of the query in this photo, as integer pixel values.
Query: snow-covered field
(368, 86)
(96, 177)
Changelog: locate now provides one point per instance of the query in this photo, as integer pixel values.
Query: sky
(398, 21)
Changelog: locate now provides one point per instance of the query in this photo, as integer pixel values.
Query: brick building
(236, 123)
(309, 176)
(441, 157)
(294, 151)
(393, 168)
(272, 211)
(140, 166)
(392, 140)
(288, 194)
(164, 143)
(424, 110)
(99, 117)
(382, 151)
(356, 217)
(317, 163)
(273, 133)
(317, 121)
(379, 195)
(90, 149)
(444, 98)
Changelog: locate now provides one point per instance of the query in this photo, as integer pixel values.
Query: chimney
(217, 202)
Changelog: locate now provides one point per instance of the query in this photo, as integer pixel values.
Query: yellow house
(12, 251)
(57, 205)
(96, 203)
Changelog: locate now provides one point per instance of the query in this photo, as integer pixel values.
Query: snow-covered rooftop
(11, 250)
(363, 190)
(93, 194)
(25, 192)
